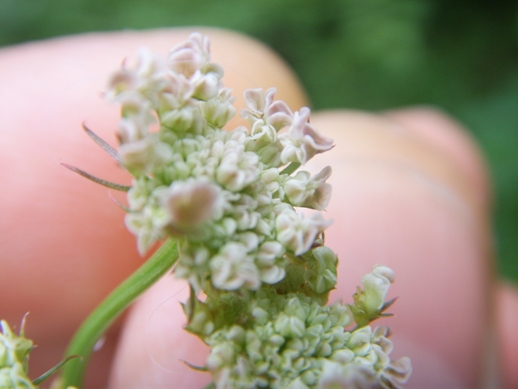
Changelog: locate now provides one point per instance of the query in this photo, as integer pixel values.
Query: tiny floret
(303, 141)
(192, 203)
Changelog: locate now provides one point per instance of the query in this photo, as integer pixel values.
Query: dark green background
(459, 55)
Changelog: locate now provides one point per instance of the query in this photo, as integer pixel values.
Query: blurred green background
(459, 55)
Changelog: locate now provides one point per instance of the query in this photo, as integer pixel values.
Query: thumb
(154, 347)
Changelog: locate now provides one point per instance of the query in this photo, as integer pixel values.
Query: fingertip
(399, 202)
(451, 139)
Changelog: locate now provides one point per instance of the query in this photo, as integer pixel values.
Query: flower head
(229, 199)
(220, 191)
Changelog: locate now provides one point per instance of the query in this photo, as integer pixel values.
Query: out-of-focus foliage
(369, 54)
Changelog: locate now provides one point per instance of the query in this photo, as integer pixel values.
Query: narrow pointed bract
(100, 181)
(102, 143)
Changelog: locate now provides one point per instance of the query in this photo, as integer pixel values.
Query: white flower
(192, 203)
(257, 103)
(192, 55)
(148, 225)
(297, 232)
(380, 337)
(238, 168)
(178, 111)
(269, 252)
(136, 118)
(360, 341)
(397, 373)
(232, 268)
(178, 93)
(139, 193)
(219, 111)
(266, 116)
(143, 155)
(206, 86)
(304, 191)
(143, 74)
(192, 264)
(302, 141)
(261, 107)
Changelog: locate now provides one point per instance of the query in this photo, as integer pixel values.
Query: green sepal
(360, 314)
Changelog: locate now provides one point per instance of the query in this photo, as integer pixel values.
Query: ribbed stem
(100, 319)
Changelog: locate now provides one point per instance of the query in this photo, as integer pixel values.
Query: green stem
(100, 319)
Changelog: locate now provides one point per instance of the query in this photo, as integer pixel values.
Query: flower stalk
(100, 319)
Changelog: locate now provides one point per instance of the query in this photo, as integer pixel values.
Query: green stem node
(100, 319)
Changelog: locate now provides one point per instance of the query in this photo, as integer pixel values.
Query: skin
(411, 191)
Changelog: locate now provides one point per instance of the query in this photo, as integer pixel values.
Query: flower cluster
(223, 194)
(291, 341)
(231, 198)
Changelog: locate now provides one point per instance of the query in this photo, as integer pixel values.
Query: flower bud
(289, 326)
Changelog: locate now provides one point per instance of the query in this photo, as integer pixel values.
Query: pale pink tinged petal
(254, 99)
(321, 197)
(268, 97)
(279, 120)
(279, 107)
